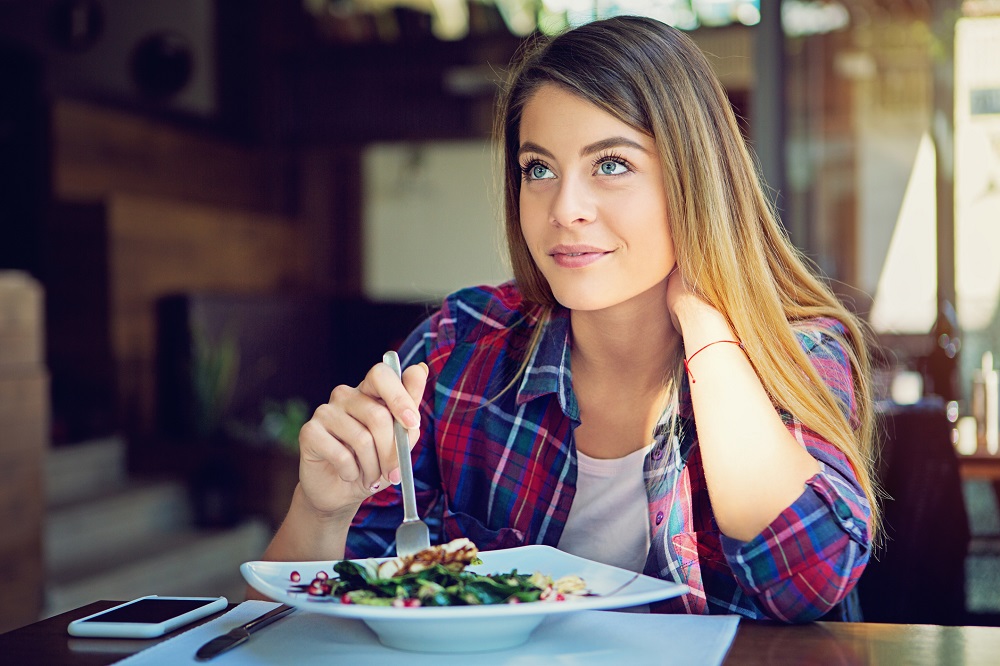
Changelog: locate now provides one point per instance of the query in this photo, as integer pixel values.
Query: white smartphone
(146, 617)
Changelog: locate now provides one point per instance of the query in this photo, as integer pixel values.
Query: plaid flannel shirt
(496, 463)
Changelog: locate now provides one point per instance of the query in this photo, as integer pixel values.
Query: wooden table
(828, 643)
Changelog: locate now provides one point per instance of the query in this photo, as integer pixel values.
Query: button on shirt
(496, 463)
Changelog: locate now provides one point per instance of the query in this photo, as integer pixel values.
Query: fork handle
(405, 472)
(403, 451)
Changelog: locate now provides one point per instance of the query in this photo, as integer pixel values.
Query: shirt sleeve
(812, 555)
(373, 531)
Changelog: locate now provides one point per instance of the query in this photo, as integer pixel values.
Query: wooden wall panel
(97, 151)
(158, 247)
(146, 208)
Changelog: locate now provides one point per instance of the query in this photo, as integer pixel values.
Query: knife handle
(240, 635)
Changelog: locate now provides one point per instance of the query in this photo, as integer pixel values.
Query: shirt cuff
(809, 533)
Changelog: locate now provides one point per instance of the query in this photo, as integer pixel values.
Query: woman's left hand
(682, 301)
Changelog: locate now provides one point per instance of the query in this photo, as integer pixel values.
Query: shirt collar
(548, 370)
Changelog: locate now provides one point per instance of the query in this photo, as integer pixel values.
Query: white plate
(469, 628)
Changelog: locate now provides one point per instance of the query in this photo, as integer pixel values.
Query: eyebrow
(589, 149)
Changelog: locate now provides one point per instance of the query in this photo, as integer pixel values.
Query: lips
(577, 256)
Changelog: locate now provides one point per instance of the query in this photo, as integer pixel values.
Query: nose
(573, 203)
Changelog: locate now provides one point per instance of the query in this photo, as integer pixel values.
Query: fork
(615, 590)
(412, 535)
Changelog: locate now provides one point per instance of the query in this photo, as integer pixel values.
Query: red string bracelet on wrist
(717, 342)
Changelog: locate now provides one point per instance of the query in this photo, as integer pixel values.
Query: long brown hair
(726, 236)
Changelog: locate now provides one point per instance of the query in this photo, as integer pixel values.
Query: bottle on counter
(990, 409)
(977, 404)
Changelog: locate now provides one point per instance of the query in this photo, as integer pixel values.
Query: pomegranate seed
(345, 599)
(406, 603)
(296, 576)
(322, 575)
(316, 589)
(513, 600)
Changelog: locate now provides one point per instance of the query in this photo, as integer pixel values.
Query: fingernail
(395, 477)
(411, 419)
(374, 487)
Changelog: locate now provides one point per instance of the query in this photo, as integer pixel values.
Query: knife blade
(240, 634)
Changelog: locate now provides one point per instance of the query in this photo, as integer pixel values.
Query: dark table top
(46, 642)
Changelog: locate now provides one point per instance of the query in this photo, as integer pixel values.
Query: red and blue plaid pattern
(496, 463)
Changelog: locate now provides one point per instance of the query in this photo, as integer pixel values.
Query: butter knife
(240, 634)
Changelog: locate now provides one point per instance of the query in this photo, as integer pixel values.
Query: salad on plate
(435, 576)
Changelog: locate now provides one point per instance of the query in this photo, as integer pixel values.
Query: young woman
(664, 386)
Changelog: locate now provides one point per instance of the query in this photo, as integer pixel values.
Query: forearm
(307, 535)
(754, 467)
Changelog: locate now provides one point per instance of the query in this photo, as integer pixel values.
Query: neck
(633, 341)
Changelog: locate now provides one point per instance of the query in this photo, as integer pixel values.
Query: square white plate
(469, 628)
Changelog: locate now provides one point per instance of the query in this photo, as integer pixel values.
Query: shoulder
(480, 340)
(818, 330)
(822, 337)
(825, 342)
(490, 311)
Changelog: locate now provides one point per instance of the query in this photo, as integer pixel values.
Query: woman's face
(593, 207)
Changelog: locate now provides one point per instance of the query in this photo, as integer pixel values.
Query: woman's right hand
(347, 449)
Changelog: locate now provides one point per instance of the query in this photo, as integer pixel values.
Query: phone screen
(150, 611)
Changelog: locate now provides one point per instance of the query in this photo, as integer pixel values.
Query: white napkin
(585, 637)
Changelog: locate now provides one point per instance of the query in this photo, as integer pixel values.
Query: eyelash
(531, 163)
(612, 157)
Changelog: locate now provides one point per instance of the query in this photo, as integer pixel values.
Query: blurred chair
(918, 575)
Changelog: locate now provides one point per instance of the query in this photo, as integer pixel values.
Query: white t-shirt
(609, 519)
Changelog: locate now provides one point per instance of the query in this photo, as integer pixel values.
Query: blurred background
(213, 211)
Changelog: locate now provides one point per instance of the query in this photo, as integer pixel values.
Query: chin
(584, 297)
(585, 300)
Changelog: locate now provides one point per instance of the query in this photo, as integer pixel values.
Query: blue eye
(612, 168)
(537, 171)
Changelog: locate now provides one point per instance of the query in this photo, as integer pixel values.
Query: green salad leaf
(433, 586)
